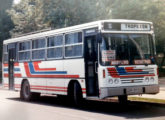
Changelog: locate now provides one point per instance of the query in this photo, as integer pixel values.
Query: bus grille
(131, 80)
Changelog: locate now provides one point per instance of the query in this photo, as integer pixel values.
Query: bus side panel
(5, 79)
(76, 68)
(55, 85)
(5, 74)
(5, 83)
(44, 76)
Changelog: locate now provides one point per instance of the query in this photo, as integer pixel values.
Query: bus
(94, 60)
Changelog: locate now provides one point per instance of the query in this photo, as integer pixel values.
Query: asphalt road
(52, 108)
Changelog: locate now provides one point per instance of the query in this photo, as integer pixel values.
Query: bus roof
(80, 27)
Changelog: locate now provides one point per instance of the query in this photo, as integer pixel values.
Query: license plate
(134, 90)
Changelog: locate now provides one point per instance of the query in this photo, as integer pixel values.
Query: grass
(151, 100)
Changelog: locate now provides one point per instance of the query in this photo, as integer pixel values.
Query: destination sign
(135, 27)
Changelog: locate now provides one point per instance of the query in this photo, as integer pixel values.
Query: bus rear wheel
(75, 94)
(26, 94)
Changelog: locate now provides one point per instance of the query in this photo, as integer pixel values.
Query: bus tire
(123, 99)
(75, 94)
(26, 94)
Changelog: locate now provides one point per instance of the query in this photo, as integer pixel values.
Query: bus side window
(5, 53)
(38, 49)
(55, 47)
(13, 47)
(73, 45)
(24, 51)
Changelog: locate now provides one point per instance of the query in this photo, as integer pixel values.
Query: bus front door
(91, 66)
(11, 69)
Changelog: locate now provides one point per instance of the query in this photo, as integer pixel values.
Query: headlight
(147, 79)
(116, 81)
(110, 81)
(152, 79)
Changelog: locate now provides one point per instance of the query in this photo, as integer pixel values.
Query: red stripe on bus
(15, 75)
(36, 67)
(48, 89)
(57, 90)
(6, 75)
(131, 69)
(17, 87)
(16, 64)
(47, 76)
(37, 86)
(5, 65)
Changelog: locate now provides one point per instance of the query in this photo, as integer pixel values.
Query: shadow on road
(133, 110)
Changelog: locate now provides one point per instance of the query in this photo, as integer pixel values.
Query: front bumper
(135, 90)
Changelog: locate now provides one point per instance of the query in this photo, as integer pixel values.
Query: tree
(144, 10)
(5, 22)
(32, 15)
(5, 25)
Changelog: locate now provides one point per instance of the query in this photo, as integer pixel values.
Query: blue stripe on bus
(32, 70)
(15, 69)
(122, 71)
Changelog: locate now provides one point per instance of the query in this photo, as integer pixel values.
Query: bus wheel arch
(74, 92)
(25, 92)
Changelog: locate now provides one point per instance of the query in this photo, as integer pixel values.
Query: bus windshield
(125, 49)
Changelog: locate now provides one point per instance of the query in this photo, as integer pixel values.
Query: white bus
(93, 61)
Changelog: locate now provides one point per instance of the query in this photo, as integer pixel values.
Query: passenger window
(55, 41)
(75, 50)
(24, 46)
(55, 47)
(73, 38)
(5, 53)
(38, 49)
(24, 51)
(55, 52)
(38, 54)
(73, 45)
(40, 43)
(24, 56)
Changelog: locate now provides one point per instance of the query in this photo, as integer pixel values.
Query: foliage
(5, 22)
(144, 10)
(32, 15)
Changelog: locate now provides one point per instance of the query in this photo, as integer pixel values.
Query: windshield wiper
(137, 46)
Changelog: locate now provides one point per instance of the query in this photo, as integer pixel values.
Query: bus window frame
(3, 61)
(16, 50)
(82, 43)
(45, 49)
(47, 38)
(150, 42)
(25, 50)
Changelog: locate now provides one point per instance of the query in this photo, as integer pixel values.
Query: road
(52, 108)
